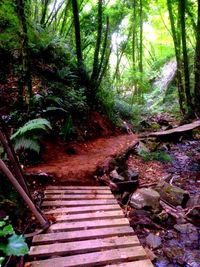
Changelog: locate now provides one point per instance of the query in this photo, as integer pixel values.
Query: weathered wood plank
(70, 248)
(72, 226)
(77, 197)
(82, 235)
(177, 130)
(94, 258)
(83, 191)
(141, 263)
(74, 203)
(90, 216)
(82, 209)
(78, 187)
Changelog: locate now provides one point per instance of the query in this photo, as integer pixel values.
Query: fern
(25, 137)
(32, 125)
(27, 144)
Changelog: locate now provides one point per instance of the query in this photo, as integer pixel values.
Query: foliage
(11, 243)
(155, 155)
(28, 136)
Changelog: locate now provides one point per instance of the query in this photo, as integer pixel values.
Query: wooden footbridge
(90, 230)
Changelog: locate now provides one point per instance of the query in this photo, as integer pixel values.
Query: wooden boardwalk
(90, 230)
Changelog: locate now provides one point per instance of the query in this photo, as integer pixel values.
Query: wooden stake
(42, 220)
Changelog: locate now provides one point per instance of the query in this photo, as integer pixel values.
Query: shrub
(10, 242)
(157, 155)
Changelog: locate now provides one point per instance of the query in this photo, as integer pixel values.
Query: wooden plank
(70, 248)
(90, 216)
(78, 187)
(76, 197)
(82, 209)
(82, 235)
(180, 129)
(93, 259)
(74, 203)
(83, 191)
(72, 226)
(141, 263)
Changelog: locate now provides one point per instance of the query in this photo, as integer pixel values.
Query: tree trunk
(197, 66)
(182, 4)
(94, 76)
(141, 37)
(178, 58)
(25, 79)
(77, 34)
(44, 11)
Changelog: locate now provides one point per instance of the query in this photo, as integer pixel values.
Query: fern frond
(27, 144)
(32, 125)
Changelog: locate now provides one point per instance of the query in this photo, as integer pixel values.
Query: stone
(174, 254)
(153, 241)
(141, 147)
(194, 215)
(145, 197)
(116, 177)
(188, 234)
(130, 174)
(172, 194)
(193, 201)
(128, 186)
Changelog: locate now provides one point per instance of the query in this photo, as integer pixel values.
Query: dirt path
(76, 163)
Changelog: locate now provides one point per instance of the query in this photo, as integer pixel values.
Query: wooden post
(42, 220)
(4, 138)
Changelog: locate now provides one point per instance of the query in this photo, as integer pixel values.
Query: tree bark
(178, 58)
(25, 79)
(141, 37)
(94, 76)
(77, 33)
(182, 4)
(197, 66)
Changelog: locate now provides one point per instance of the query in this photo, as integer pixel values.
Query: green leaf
(7, 230)
(16, 246)
(1, 261)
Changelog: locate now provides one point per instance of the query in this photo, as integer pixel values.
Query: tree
(25, 83)
(197, 66)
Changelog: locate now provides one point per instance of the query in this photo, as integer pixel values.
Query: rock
(150, 254)
(193, 201)
(185, 228)
(141, 218)
(192, 258)
(145, 197)
(174, 254)
(153, 241)
(172, 194)
(188, 234)
(141, 148)
(130, 174)
(128, 186)
(116, 177)
(194, 215)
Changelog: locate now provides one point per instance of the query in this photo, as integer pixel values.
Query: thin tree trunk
(182, 4)
(94, 75)
(197, 66)
(44, 11)
(25, 80)
(104, 46)
(178, 58)
(77, 33)
(141, 37)
(64, 18)
(134, 35)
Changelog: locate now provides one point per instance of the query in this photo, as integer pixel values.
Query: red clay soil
(77, 163)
